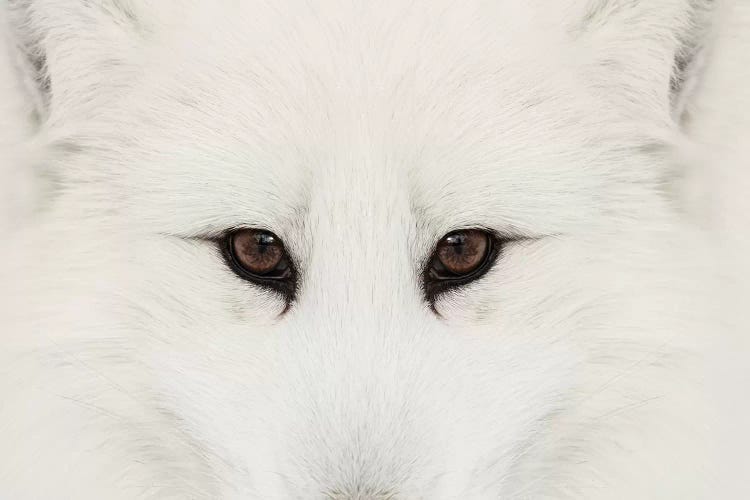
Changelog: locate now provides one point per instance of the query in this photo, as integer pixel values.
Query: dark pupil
(457, 242)
(264, 241)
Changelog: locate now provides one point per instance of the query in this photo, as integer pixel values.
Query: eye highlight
(459, 258)
(259, 257)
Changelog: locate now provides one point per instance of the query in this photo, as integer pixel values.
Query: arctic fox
(340, 249)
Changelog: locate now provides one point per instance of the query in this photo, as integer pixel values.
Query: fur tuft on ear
(645, 54)
(74, 53)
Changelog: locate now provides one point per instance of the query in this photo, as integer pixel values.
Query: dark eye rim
(435, 285)
(285, 285)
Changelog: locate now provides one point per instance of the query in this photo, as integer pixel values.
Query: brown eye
(259, 256)
(460, 257)
(258, 252)
(462, 253)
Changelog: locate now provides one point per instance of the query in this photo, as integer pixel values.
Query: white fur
(134, 364)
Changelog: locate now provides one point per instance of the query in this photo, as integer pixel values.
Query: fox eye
(459, 258)
(260, 257)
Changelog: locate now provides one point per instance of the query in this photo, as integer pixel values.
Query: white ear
(645, 54)
(74, 53)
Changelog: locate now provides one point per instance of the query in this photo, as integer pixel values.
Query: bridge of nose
(355, 396)
(358, 338)
(362, 235)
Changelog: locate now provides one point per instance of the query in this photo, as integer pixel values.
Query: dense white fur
(602, 357)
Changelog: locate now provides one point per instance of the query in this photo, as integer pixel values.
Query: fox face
(342, 250)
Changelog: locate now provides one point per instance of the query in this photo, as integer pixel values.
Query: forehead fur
(480, 106)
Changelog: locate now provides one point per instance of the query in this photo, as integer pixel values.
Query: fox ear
(74, 53)
(645, 54)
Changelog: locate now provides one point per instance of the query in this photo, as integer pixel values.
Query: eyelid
(216, 235)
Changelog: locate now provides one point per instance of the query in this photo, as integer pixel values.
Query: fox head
(344, 250)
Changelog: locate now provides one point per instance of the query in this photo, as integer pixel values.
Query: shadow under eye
(459, 258)
(259, 257)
